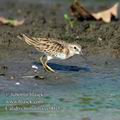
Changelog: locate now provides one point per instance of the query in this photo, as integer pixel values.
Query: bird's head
(75, 49)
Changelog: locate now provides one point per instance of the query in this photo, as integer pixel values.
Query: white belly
(60, 56)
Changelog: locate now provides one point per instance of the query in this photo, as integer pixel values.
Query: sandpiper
(52, 49)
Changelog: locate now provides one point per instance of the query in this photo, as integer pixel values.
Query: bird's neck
(69, 53)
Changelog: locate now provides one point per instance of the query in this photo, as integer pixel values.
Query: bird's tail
(29, 41)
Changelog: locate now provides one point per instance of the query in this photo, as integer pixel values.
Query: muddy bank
(47, 21)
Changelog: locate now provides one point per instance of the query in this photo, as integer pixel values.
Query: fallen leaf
(12, 22)
(107, 15)
(81, 13)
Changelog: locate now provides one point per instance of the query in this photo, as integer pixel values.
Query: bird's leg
(48, 67)
(41, 60)
(44, 60)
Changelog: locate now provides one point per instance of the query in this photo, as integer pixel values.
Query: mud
(47, 20)
(43, 20)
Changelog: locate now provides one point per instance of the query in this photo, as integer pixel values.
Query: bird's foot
(49, 69)
(45, 68)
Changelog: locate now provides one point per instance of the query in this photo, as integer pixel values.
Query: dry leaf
(12, 22)
(81, 13)
(107, 15)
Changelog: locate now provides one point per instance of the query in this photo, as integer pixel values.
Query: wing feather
(47, 45)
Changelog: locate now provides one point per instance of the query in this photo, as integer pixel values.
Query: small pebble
(77, 37)
(34, 67)
(99, 38)
(12, 77)
(39, 77)
(17, 83)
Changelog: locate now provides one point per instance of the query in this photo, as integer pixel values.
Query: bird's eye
(75, 48)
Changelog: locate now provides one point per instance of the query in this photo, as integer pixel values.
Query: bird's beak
(81, 53)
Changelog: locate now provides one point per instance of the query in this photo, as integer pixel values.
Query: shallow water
(80, 91)
(93, 94)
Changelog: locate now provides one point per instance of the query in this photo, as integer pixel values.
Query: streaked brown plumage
(52, 48)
